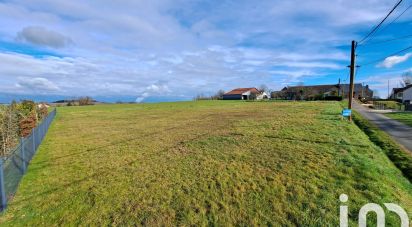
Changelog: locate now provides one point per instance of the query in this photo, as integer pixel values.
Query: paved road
(399, 132)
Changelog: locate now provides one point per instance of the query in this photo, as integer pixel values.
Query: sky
(165, 50)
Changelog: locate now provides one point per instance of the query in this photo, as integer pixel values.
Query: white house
(404, 94)
(245, 94)
(43, 105)
(407, 95)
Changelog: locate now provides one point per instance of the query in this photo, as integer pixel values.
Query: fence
(13, 167)
(385, 105)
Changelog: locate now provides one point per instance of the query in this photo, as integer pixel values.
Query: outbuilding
(245, 94)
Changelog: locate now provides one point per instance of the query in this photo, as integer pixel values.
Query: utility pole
(389, 96)
(352, 75)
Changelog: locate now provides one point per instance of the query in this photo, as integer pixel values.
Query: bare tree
(263, 88)
(406, 79)
(219, 95)
(84, 101)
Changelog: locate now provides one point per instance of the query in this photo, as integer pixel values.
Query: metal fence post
(33, 141)
(3, 198)
(23, 158)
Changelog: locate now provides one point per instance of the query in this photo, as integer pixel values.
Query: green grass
(389, 104)
(399, 156)
(204, 163)
(404, 117)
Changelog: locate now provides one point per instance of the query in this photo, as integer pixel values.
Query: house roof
(397, 90)
(345, 87)
(239, 91)
(314, 87)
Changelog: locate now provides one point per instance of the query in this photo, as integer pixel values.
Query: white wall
(407, 94)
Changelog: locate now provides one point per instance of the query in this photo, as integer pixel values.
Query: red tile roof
(239, 91)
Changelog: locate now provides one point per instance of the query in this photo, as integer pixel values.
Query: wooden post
(23, 158)
(3, 198)
(352, 75)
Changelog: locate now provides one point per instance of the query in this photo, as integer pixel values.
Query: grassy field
(404, 117)
(204, 163)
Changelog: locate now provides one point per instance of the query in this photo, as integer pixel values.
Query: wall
(232, 97)
(407, 95)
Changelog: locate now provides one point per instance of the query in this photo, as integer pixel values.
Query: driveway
(398, 131)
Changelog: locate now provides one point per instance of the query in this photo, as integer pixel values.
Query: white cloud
(37, 84)
(43, 37)
(389, 62)
(127, 47)
(154, 89)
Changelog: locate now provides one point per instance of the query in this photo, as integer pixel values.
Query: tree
(219, 95)
(263, 88)
(84, 101)
(406, 79)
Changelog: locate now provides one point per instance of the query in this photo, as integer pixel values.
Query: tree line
(17, 120)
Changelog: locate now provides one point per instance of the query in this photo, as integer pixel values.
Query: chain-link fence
(13, 167)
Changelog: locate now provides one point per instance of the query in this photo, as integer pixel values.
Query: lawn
(404, 117)
(204, 163)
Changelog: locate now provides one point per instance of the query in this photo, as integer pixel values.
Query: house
(245, 94)
(404, 94)
(321, 91)
(360, 91)
(307, 92)
(43, 105)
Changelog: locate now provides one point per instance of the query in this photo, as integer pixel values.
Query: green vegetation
(400, 157)
(388, 105)
(204, 163)
(404, 117)
(17, 120)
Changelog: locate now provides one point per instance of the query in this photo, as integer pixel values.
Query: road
(401, 133)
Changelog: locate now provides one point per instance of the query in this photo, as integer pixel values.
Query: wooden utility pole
(352, 75)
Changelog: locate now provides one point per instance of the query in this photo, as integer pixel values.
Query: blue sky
(176, 49)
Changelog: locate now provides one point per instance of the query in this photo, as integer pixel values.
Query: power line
(386, 26)
(394, 20)
(389, 40)
(391, 55)
(380, 24)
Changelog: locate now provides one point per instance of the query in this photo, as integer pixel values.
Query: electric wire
(376, 28)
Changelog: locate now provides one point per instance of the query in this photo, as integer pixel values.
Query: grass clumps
(399, 156)
(404, 117)
(205, 163)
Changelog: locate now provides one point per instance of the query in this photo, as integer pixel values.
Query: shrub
(8, 128)
(27, 124)
(84, 101)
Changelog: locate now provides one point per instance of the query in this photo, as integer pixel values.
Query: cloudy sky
(175, 49)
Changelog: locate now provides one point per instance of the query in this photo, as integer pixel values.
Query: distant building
(245, 94)
(321, 91)
(43, 105)
(404, 94)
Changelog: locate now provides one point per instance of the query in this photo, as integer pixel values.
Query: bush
(400, 157)
(84, 101)
(27, 124)
(42, 112)
(9, 128)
